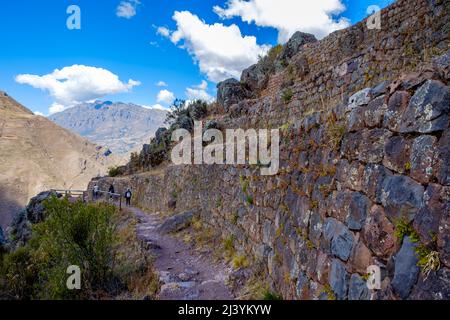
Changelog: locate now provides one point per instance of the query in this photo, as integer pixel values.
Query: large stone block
(423, 158)
(442, 170)
(428, 111)
(378, 233)
(360, 98)
(396, 154)
(397, 105)
(230, 92)
(373, 178)
(357, 211)
(402, 197)
(406, 269)
(427, 220)
(178, 222)
(338, 279)
(339, 237)
(358, 288)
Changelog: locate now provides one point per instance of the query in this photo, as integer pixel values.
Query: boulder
(292, 47)
(428, 110)
(338, 279)
(230, 92)
(406, 269)
(177, 222)
(256, 77)
(198, 110)
(34, 213)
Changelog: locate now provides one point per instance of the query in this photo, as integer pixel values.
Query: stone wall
(364, 175)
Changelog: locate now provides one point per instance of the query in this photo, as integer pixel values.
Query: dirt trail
(184, 273)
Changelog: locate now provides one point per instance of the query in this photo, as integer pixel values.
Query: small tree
(177, 109)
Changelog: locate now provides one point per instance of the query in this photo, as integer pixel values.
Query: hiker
(95, 192)
(111, 192)
(128, 196)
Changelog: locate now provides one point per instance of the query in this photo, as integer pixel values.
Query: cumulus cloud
(221, 51)
(38, 113)
(163, 31)
(165, 96)
(288, 16)
(56, 107)
(162, 84)
(199, 92)
(127, 9)
(77, 83)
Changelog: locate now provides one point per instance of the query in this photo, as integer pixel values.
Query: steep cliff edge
(364, 163)
(37, 155)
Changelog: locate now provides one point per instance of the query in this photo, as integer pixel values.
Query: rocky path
(184, 273)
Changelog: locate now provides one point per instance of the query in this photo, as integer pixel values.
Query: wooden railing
(83, 194)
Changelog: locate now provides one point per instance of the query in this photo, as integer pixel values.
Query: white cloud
(199, 92)
(163, 31)
(77, 83)
(162, 84)
(165, 96)
(288, 16)
(56, 107)
(127, 9)
(38, 113)
(156, 107)
(221, 51)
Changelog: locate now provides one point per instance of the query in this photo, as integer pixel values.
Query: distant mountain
(119, 126)
(38, 155)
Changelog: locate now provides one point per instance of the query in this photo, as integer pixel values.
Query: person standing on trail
(95, 192)
(111, 192)
(128, 196)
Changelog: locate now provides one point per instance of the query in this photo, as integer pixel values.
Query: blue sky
(142, 43)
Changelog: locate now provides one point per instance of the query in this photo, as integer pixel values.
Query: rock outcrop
(33, 213)
(364, 157)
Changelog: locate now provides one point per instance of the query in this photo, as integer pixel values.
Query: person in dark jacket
(111, 191)
(128, 195)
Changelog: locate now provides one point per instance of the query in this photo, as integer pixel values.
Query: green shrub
(287, 95)
(404, 228)
(113, 171)
(84, 235)
(268, 295)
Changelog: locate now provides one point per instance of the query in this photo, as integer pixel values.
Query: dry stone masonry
(364, 158)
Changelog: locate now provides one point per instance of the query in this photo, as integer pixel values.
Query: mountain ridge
(123, 127)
